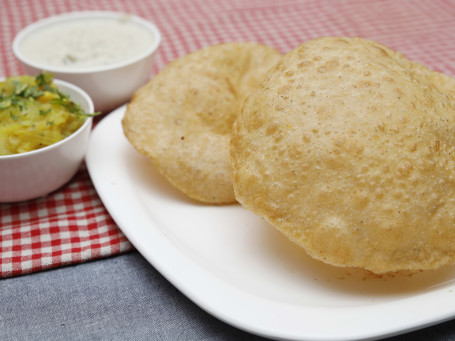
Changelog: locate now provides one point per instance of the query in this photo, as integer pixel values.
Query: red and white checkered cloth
(71, 225)
(68, 227)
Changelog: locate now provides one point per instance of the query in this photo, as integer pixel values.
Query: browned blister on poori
(349, 150)
(182, 119)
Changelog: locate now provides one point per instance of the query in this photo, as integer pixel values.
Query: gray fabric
(120, 298)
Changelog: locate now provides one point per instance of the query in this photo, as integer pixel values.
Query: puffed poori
(182, 119)
(348, 148)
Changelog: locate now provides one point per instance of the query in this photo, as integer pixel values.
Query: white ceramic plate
(241, 270)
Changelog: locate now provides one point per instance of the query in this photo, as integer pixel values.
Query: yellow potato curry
(35, 114)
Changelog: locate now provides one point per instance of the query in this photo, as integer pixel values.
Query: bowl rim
(87, 124)
(56, 19)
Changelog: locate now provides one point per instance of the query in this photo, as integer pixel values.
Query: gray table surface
(120, 298)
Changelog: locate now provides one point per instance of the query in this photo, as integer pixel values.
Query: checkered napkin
(71, 225)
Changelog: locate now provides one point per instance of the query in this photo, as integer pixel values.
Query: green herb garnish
(44, 112)
(24, 92)
(74, 108)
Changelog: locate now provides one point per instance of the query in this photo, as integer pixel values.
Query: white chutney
(87, 42)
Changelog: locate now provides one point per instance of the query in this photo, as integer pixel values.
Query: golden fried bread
(348, 148)
(182, 119)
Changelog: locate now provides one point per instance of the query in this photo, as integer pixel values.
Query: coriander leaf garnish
(5, 103)
(72, 107)
(44, 112)
(44, 79)
(13, 117)
(33, 92)
(24, 92)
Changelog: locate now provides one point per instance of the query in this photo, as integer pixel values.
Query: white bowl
(36, 173)
(109, 85)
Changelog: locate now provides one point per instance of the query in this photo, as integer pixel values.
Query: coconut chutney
(86, 42)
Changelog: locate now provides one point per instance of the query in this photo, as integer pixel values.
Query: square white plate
(243, 271)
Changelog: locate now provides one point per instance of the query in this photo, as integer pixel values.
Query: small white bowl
(39, 172)
(109, 85)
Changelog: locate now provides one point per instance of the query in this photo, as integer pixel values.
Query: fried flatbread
(349, 150)
(182, 119)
